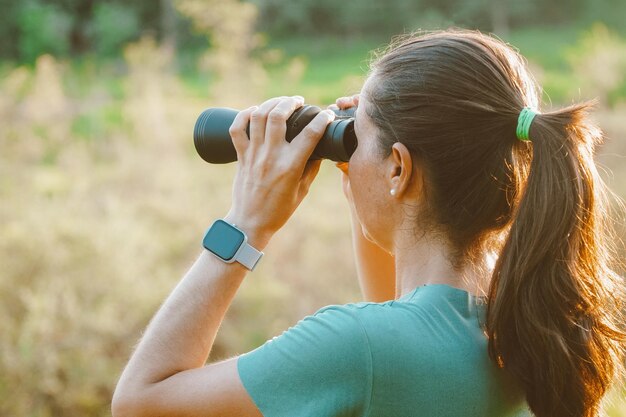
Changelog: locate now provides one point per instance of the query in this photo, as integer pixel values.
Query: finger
(277, 118)
(347, 102)
(238, 133)
(343, 103)
(310, 136)
(310, 172)
(258, 120)
(333, 107)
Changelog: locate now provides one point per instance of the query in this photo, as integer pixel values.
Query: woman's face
(369, 179)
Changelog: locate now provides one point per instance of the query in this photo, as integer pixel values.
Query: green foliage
(44, 28)
(340, 18)
(367, 17)
(61, 27)
(612, 13)
(113, 26)
(600, 45)
(9, 27)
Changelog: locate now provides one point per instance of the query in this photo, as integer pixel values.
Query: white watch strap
(248, 256)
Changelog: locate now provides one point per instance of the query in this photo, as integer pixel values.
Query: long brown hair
(554, 300)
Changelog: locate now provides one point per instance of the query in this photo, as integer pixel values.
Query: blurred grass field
(104, 200)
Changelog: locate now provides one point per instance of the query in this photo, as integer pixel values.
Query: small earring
(392, 191)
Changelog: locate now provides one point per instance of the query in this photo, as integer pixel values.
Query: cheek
(362, 175)
(368, 202)
(360, 183)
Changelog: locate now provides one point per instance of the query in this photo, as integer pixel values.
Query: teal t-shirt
(424, 354)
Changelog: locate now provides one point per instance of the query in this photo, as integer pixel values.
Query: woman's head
(452, 98)
(448, 102)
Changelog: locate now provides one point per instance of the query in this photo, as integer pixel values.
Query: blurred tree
(60, 27)
(9, 27)
(44, 28)
(168, 23)
(340, 18)
(491, 15)
(113, 25)
(82, 13)
(359, 17)
(611, 12)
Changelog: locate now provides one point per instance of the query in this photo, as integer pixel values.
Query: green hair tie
(524, 120)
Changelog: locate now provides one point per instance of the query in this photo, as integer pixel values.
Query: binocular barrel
(214, 144)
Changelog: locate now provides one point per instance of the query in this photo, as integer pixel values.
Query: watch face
(223, 240)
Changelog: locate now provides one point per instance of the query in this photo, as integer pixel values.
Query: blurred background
(104, 201)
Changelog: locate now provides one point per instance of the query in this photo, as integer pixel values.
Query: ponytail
(554, 312)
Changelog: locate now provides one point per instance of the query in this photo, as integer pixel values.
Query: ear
(400, 169)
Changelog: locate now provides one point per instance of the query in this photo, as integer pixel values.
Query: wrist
(257, 236)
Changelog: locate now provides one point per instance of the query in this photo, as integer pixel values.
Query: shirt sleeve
(320, 367)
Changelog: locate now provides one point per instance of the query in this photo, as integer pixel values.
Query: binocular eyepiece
(214, 144)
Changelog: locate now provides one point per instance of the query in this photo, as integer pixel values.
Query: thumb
(311, 169)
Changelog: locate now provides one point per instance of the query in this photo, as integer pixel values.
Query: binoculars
(214, 144)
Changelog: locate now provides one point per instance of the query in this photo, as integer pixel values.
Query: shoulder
(371, 316)
(337, 326)
(333, 332)
(350, 314)
(323, 361)
(359, 310)
(354, 319)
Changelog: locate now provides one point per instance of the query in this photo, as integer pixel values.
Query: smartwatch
(230, 244)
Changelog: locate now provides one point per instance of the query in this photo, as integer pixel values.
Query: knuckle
(317, 125)
(277, 115)
(237, 119)
(257, 115)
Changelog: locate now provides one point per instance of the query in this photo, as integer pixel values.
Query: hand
(273, 175)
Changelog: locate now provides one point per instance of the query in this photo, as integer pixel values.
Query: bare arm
(169, 361)
(375, 267)
(166, 375)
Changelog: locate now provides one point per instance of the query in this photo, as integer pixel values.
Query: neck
(425, 261)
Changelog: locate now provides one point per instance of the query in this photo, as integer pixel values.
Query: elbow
(126, 404)
(121, 406)
(130, 400)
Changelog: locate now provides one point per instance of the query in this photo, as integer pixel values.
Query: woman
(458, 186)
